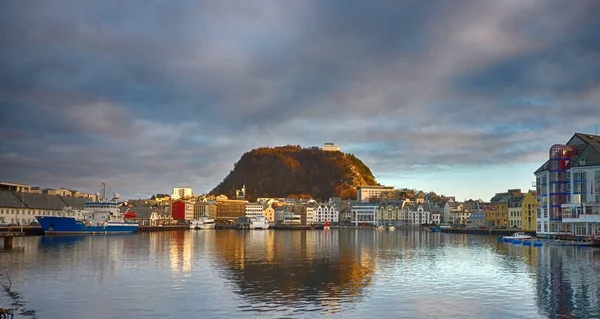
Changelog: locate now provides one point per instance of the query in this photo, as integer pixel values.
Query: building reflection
(567, 282)
(319, 270)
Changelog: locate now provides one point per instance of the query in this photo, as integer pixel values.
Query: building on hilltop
(568, 188)
(331, 147)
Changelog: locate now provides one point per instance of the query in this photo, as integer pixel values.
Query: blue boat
(435, 229)
(102, 217)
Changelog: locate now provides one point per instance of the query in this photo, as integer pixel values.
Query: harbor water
(343, 273)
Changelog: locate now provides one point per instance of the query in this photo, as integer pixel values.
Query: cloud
(155, 95)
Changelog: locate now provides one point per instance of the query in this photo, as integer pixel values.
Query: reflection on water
(345, 273)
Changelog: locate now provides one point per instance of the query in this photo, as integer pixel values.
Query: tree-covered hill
(296, 171)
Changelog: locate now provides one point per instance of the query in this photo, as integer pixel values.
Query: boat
(252, 222)
(99, 217)
(326, 225)
(391, 227)
(517, 236)
(380, 227)
(595, 241)
(259, 222)
(435, 229)
(203, 223)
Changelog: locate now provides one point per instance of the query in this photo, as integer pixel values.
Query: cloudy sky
(459, 97)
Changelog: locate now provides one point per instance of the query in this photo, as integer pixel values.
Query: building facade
(367, 194)
(528, 212)
(568, 188)
(205, 209)
(181, 193)
(364, 214)
(326, 213)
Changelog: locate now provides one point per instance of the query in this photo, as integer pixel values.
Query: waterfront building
(452, 210)
(390, 214)
(436, 217)
(568, 185)
(529, 206)
(366, 194)
(181, 193)
(181, 210)
(285, 216)
(416, 215)
(330, 147)
(365, 214)
(205, 209)
(514, 212)
(326, 212)
(269, 213)
(228, 210)
(490, 212)
(254, 210)
(21, 208)
(476, 220)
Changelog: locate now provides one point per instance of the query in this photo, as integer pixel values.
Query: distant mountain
(296, 171)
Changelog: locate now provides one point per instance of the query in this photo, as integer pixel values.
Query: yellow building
(528, 212)
(205, 209)
(269, 214)
(502, 213)
(228, 210)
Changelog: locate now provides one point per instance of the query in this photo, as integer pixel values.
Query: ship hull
(53, 225)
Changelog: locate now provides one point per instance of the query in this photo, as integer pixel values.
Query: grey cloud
(158, 94)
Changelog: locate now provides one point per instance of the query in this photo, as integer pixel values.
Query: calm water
(274, 274)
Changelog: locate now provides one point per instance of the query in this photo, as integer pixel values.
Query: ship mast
(103, 191)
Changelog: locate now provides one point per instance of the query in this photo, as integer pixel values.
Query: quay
(145, 229)
(8, 238)
(495, 232)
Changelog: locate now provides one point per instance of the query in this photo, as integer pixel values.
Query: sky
(463, 98)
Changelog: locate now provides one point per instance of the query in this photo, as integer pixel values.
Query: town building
(514, 212)
(228, 210)
(181, 193)
(326, 213)
(568, 185)
(529, 206)
(269, 214)
(205, 209)
(254, 210)
(367, 194)
(476, 220)
(365, 214)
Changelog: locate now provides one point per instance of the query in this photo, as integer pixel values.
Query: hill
(296, 171)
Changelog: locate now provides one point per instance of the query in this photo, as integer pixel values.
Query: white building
(365, 214)
(568, 188)
(311, 217)
(254, 210)
(436, 218)
(181, 193)
(418, 216)
(189, 211)
(330, 147)
(366, 194)
(452, 212)
(326, 213)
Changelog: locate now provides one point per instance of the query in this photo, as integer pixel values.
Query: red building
(178, 210)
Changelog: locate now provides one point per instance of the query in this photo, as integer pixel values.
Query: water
(299, 274)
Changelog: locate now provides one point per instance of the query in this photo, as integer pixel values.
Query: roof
(75, 202)
(43, 201)
(9, 199)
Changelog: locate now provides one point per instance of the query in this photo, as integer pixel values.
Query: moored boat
(203, 223)
(326, 225)
(391, 227)
(435, 229)
(517, 236)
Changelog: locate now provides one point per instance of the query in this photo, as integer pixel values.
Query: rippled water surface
(273, 274)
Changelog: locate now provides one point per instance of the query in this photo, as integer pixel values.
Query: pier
(8, 238)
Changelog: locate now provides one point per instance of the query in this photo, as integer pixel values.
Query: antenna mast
(103, 191)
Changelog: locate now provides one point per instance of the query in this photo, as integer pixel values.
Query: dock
(8, 238)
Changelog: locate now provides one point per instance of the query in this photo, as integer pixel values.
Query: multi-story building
(181, 193)
(326, 213)
(205, 209)
(514, 212)
(452, 211)
(476, 220)
(228, 210)
(390, 214)
(365, 214)
(436, 217)
(254, 210)
(269, 213)
(366, 194)
(568, 188)
(181, 210)
(528, 211)
(21, 208)
(417, 215)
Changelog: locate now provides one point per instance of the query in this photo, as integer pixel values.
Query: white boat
(380, 227)
(391, 227)
(259, 222)
(517, 235)
(203, 223)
